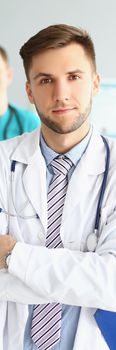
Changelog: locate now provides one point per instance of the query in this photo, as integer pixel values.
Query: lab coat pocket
(27, 228)
(26, 210)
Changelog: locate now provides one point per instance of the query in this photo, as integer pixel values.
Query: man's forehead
(72, 47)
(67, 58)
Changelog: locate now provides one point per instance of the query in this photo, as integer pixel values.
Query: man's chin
(62, 129)
(62, 125)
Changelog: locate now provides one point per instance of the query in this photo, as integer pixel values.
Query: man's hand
(7, 243)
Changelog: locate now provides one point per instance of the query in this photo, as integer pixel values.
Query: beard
(61, 128)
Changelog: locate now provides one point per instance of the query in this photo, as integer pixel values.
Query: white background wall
(19, 20)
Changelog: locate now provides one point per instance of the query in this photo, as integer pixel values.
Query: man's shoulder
(8, 147)
(112, 147)
(111, 141)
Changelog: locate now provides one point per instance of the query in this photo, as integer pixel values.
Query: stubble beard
(77, 123)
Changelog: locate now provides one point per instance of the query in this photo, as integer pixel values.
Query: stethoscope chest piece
(92, 242)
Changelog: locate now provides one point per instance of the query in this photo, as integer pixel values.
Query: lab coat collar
(91, 166)
(27, 147)
(93, 158)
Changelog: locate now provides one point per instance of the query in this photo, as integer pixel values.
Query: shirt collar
(74, 154)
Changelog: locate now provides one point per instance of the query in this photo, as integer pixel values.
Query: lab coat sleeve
(71, 277)
(13, 289)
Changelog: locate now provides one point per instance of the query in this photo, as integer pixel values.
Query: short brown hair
(4, 54)
(56, 36)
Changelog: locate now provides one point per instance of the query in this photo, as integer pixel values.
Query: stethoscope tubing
(103, 186)
(12, 111)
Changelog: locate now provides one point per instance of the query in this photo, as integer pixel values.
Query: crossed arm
(67, 276)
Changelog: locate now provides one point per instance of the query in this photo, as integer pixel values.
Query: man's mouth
(63, 110)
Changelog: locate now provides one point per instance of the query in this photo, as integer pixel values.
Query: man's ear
(96, 83)
(29, 92)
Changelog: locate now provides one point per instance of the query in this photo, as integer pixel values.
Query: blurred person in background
(13, 120)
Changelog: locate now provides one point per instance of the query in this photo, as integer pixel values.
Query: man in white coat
(50, 186)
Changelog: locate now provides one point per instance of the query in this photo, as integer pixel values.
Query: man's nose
(61, 91)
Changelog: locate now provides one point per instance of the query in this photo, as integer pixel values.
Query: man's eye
(46, 81)
(74, 77)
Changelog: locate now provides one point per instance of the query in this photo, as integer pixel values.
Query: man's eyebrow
(41, 74)
(48, 75)
(75, 71)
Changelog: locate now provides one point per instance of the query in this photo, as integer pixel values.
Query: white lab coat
(70, 275)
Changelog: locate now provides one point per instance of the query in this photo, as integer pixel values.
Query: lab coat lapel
(92, 163)
(34, 177)
(34, 181)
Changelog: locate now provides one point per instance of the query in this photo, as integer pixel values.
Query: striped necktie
(46, 319)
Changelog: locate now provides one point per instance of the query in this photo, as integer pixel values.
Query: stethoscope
(12, 111)
(92, 239)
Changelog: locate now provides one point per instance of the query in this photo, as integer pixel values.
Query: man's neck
(63, 143)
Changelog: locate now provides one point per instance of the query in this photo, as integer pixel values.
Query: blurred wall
(19, 20)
